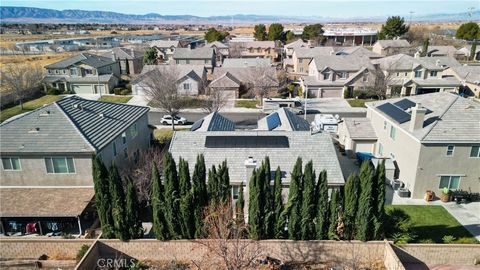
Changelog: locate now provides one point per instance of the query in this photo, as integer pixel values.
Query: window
(300, 61)
(475, 151)
(124, 137)
(56, 71)
(206, 61)
(88, 72)
(450, 182)
(133, 130)
(326, 76)
(343, 75)
(60, 165)
(186, 86)
(393, 132)
(11, 164)
(433, 73)
(114, 145)
(450, 149)
(406, 74)
(177, 61)
(301, 69)
(50, 71)
(418, 73)
(235, 192)
(380, 149)
(385, 125)
(73, 71)
(64, 71)
(398, 74)
(187, 61)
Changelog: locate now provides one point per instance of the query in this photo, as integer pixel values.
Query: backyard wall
(32, 249)
(453, 254)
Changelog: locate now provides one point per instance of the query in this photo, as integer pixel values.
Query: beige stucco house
(203, 56)
(391, 47)
(469, 77)
(433, 140)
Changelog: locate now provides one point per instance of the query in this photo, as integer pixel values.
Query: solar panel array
(273, 121)
(196, 125)
(405, 104)
(394, 112)
(247, 142)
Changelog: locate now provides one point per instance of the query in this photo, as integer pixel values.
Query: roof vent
(45, 113)
(78, 106)
(34, 130)
(101, 115)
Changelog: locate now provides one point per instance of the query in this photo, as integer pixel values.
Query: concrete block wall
(32, 249)
(454, 254)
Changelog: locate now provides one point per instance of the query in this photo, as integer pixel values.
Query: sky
(323, 8)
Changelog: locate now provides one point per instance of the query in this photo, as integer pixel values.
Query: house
(131, 60)
(46, 173)
(357, 135)
(84, 73)
(350, 36)
(260, 49)
(465, 52)
(236, 81)
(435, 51)
(246, 62)
(221, 50)
(213, 122)
(165, 49)
(331, 76)
(406, 75)
(441, 131)
(290, 47)
(283, 120)
(391, 47)
(201, 56)
(245, 150)
(191, 78)
(469, 77)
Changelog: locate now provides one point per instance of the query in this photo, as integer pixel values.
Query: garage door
(82, 88)
(332, 93)
(364, 147)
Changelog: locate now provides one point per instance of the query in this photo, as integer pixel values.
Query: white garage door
(364, 147)
(332, 93)
(82, 88)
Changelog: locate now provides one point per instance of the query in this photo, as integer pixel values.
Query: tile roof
(406, 62)
(213, 122)
(317, 147)
(394, 43)
(164, 43)
(342, 63)
(312, 52)
(70, 125)
(198, 53)
(248, 74)
(124, 53)
(217, 44)
(289, 121)
(44, 202)
(227, 80)
(246, 62)
(86, 58)
(360, 128)
(77, 79)
(182, 70)
(299, 43)
(452, 118)
(259, 44)
(468, 73)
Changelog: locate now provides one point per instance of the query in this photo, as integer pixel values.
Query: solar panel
(273, 121)
(196, 125)
(247, 142)
(405, 104)
(394, 112)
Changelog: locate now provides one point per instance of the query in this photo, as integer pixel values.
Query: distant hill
(10, 14)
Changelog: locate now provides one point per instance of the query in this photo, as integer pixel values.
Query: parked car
(178, 120)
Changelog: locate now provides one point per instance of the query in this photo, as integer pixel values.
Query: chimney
(416, 55)
(309, 43)
(437, 63)
(113, 56)
(418, 116)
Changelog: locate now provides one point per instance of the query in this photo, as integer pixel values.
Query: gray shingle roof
(194, 71)
(468, 73)
(406, 62)
(248, 74)
(62, 127)
(86, 58)
(164, 43)
(246, 62)
(217, 44)
(124, 53)
(77, 79)
(227, 80)
(289, 121)
(453, 118)
(214, 122)
(198, 53)
(360, 128)
(317, 147)
(312, 52)
(342, 63)
(394, 43)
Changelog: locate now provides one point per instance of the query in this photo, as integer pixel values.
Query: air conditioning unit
(403, 192)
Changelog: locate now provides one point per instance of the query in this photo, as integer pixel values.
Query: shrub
(53, 91)
(466, 240)
(163, 135)
(426, 241)
(81, 252)
(448, 239)
(346, 93)
(403, 238)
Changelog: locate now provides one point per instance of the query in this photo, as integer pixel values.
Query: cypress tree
(186, 201)
(102, 197)
(308, 203)
(351, 194)
(172, 195)
(279, 219)
(364, 218)
(379, 202)
(321, 218)
(239, 206)
(161, 228)
(295, 201)
(268, 213)
(212, 185)
(134, 224)
(224, 183)
(254, 215)
(335, 208)
(200, 195)
(118, 203)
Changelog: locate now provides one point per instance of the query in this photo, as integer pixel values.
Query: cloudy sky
(324, 8)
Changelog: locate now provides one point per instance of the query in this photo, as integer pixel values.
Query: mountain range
(10, 14)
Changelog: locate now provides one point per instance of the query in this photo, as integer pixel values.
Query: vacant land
(115, 99)
(28, 106)
(430, 223)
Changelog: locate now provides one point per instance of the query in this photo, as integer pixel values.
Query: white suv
(167, 120)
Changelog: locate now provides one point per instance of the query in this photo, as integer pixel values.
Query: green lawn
(28, 106)
(247, 103)
(188, 103)
(430, 223)
(115, 99)
(358, 102)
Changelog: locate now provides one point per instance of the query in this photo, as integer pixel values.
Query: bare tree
(225, 240)
(161, 86)
(235, 49)
(21, 79)
(263, 81)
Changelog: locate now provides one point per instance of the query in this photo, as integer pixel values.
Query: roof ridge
(440, 117)
(75, 127)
